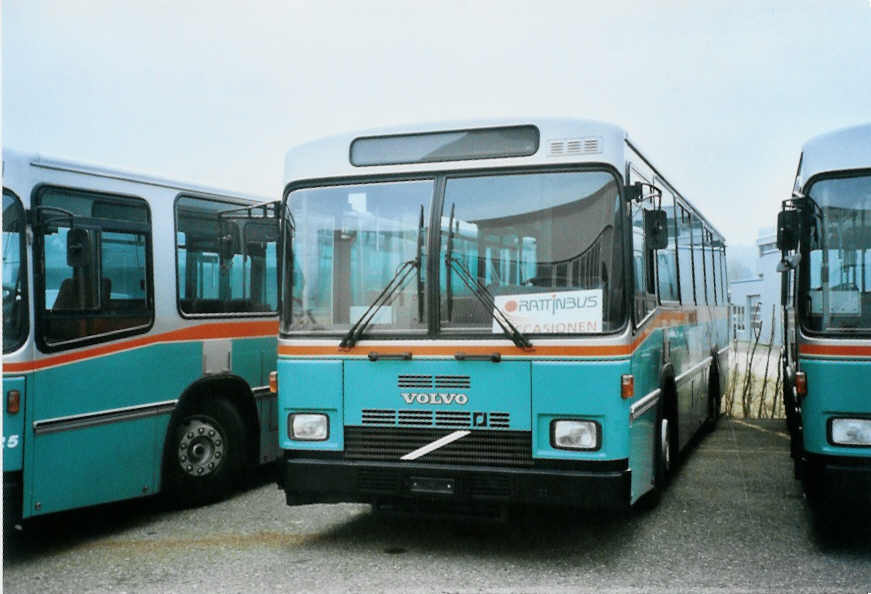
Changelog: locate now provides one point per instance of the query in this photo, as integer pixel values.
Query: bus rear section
(139, 321)
(492, 319)
(825, 235)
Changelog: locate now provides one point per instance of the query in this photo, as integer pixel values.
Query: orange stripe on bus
(835, 350)
(662, 319)
(198, 332)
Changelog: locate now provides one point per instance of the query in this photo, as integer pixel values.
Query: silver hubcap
(200, 448)
(665, 443)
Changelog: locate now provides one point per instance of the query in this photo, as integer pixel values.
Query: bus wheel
(714, 397)
(664, 455)
(206, 452)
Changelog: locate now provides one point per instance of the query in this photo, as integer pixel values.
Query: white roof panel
(848, 148)
(330, 157)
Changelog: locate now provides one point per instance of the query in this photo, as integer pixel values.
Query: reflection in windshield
(349, 243)
(543, 244)
(14, 304)
(840, 258)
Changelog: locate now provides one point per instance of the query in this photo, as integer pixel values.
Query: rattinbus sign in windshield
(564, 312)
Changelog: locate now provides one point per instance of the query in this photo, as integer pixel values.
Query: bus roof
(23, 159)
(840, 150)
(330, 157)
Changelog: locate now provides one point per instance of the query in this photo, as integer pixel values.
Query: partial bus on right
(824, 234)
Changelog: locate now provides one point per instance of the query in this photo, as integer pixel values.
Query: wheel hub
(201, 447)
(665, 441)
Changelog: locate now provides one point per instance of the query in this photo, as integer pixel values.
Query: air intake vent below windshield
(414, 381)
(457, 382)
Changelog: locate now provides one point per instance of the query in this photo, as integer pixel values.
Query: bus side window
(667, 258)
(684, 257)
(96, 266)
(698, 259)
(224, 265)
(710, 277)
(642, 263)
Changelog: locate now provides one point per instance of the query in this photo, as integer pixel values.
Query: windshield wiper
(487, 300)
(393, 286)
(478, 290)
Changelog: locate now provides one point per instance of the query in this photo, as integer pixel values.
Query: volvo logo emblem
(434, 398)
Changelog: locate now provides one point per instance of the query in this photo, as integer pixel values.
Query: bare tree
(733, 381)
(776, 399)
(760, 408)
(756, 326)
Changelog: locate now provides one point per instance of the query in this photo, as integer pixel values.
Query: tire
(205, 453)
(714, 397)
(664, 455)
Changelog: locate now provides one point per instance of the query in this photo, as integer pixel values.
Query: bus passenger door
(97, 392)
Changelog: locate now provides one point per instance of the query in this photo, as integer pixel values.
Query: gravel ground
(732, 520)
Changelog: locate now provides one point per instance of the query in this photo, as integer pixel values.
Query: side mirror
(656, 229)
(788, 227)
(80, 246)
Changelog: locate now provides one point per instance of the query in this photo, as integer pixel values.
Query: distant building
(752, 298)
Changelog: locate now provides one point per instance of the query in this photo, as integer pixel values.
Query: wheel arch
(231, 387)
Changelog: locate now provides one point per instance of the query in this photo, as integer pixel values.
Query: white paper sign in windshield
(563, 312)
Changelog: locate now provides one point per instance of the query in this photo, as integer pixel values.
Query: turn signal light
(627, 386)
(273, 382)
(801, 383)
(13, 401)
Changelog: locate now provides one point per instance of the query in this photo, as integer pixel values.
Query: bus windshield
(544, 244)
(543, 248)
(14, 304)
(840, 257)
(348, 244)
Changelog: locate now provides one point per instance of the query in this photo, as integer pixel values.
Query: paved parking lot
(734, 519)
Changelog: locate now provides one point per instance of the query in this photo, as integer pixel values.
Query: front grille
(483, 448)
(453, 382)
(500, 420)
(375, 416)
(415, 417)
(442, 418)
(414, 381)
(450, 418)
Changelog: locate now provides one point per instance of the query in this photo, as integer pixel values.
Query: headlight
(851, 432)
(574, 435)
(308, 427)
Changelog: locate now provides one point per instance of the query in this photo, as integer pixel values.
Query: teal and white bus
(824, 231)
(139, 322)
(490, 313)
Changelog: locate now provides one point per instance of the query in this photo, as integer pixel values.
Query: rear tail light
(801, 383)
(273, 382)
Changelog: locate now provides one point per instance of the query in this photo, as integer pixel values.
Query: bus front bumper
(592, 485)
(839, 478)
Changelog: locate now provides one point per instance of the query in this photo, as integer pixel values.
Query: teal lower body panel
(642, 436)
(99, 464)
(836, 389)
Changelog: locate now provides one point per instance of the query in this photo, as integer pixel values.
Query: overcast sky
(720, 93)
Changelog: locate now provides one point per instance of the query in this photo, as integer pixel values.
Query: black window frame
(231, 202)
(439, 178)
(803, 281)
(43, 315)
(22, 247)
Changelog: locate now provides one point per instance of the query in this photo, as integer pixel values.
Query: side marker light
(13, 401)
(627, 386)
